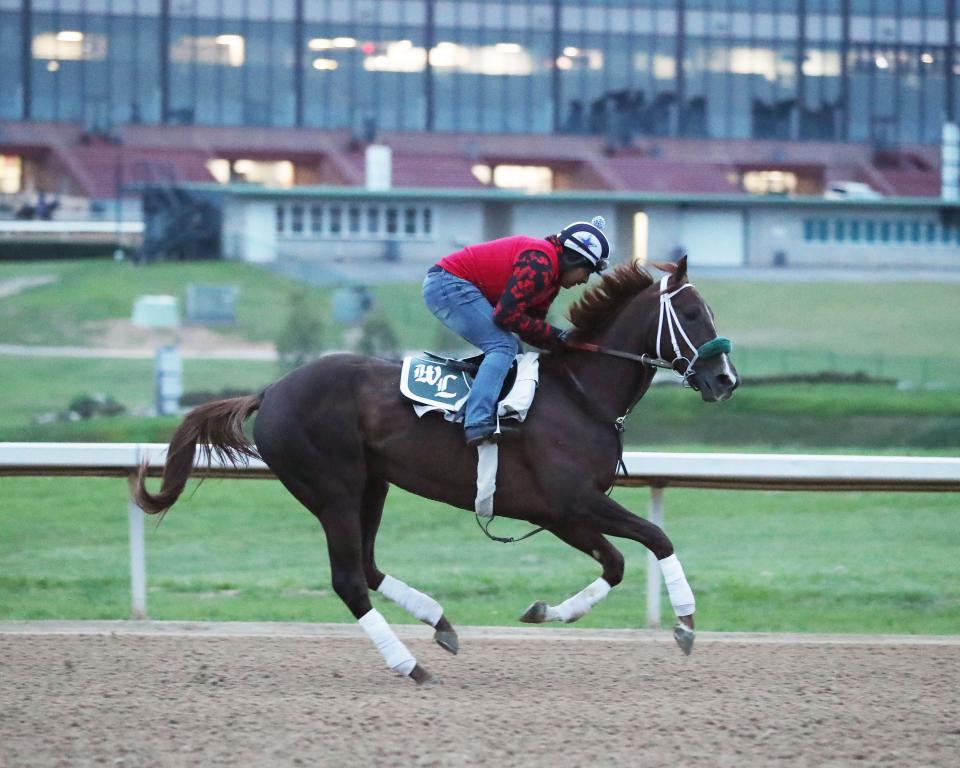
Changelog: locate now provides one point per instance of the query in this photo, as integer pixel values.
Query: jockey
(487, 292)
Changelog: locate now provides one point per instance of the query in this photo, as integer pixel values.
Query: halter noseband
(668, 318)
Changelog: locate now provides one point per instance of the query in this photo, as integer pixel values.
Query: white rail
(655, 470)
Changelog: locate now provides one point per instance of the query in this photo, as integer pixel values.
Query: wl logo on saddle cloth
(440, 383)
(432, 381)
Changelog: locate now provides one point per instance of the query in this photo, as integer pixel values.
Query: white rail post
(138, 562)
(655, 516)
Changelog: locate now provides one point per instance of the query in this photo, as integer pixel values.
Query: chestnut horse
(337, 432)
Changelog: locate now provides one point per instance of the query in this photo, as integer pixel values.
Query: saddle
(445, 382)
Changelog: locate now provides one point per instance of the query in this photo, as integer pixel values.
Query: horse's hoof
(423, 678)
(684, 637)
(535, 614)
(448, 640)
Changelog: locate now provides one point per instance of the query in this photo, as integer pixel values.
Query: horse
(337, 433)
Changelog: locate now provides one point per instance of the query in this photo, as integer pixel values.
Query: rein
(668, 318)
(505, 539)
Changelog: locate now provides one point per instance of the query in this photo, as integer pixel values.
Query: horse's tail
(218, 429)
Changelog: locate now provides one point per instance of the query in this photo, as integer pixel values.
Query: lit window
(69, 45)
(580, 58)
(482, 59)
(819, 63)
(219, 169)
(397, 56)
(10, 174)
(278, 173)
(529, 178)
(482, 173)
(770, 182)
(222, 50)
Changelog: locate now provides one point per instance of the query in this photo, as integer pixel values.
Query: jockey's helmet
(584, 244)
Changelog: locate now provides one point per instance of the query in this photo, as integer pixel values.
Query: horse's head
(686, 337)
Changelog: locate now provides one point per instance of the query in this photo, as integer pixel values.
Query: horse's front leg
(614, 520)
(594, 544)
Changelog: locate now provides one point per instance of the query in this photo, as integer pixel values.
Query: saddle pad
(433, 382)
(514, 403)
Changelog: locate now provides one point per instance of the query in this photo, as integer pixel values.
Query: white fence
(654, 470)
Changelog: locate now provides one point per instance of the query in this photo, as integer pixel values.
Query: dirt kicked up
(121, 694)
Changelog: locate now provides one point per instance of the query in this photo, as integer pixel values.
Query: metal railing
(658, 471)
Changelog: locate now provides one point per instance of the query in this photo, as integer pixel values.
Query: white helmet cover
(587, 240)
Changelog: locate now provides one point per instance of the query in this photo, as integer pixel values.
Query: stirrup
(481, 433)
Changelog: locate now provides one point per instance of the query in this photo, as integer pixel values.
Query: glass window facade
(885, 71)
(87, 66)
(11, 70)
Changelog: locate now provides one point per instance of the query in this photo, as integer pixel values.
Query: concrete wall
(788, 231)
(714, 233)
(541, 218)
(250, 230)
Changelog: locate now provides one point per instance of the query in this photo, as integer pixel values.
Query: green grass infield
(245, 550)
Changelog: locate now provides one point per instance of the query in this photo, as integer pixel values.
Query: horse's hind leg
(335, 497)
(614, 520)
(594, 544)
(341, 523)
(419, 605)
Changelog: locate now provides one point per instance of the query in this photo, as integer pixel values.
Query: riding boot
(480, 433)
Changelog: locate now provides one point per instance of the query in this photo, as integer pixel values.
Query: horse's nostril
(727, 381)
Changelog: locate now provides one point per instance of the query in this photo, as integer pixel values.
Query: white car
(851, 190)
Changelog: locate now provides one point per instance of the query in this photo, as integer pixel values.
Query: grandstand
(856, 89)
(758, 98)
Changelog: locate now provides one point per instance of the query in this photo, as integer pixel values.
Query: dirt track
(323, 698)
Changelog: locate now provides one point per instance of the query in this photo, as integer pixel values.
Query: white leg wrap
(395, 653)
(416, 603)
(574, 607)
(681, 596)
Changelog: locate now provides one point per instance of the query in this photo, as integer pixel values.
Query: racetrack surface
(172, 694)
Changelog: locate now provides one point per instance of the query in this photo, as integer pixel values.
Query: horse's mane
(601, 302)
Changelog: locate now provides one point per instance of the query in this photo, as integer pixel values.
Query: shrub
(378, 337)
(301, 338)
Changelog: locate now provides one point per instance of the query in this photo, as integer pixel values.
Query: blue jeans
(459, 305)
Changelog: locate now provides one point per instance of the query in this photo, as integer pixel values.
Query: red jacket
(520, 277)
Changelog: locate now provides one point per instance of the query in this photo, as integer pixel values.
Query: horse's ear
(681, 274)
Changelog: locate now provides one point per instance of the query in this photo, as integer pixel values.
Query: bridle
(668, 319)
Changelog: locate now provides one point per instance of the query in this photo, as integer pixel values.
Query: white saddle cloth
(514, 406)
